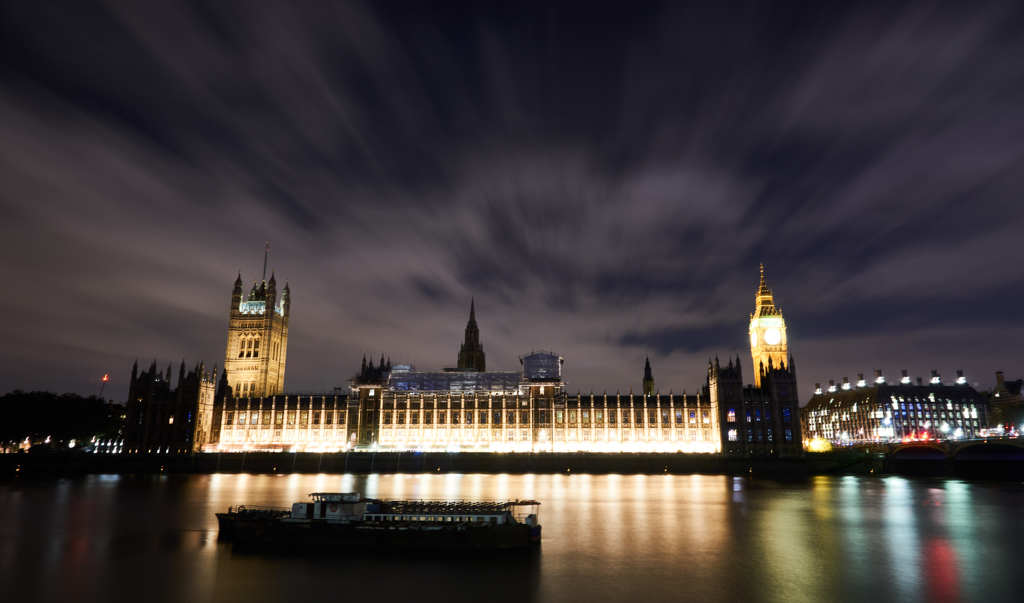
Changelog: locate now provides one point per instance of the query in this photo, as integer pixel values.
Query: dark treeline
(61, 416)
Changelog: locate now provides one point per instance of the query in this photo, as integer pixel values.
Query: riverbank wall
(847, 462)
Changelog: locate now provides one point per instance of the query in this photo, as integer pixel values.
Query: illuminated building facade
(162, 419)
(525, 411)
(257, 346)
(756, 420)
(879, 411)
(468, 408)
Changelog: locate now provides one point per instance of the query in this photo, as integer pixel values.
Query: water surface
(606, 538)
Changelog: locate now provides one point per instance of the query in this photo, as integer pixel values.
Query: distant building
(880, 411)
(1007, 403)
(162, 419)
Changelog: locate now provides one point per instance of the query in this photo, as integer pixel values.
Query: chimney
(920, 381)
(1000, 380)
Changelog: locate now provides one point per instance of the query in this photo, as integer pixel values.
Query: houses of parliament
(466, 408)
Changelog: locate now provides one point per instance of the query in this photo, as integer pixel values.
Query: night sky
(604, 181)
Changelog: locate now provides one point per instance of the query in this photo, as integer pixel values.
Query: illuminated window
(757, 414)
(731, 415)
(787, 415)
(788, 434)
(732, 435)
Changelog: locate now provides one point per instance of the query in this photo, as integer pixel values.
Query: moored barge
(342, 522)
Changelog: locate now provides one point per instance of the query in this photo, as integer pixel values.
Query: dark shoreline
(849, 462)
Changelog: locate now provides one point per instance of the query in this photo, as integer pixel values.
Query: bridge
(1004, 448)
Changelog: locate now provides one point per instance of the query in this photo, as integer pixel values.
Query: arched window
(241, 348)
(256, 348)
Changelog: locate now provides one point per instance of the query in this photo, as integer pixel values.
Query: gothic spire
(762, 287)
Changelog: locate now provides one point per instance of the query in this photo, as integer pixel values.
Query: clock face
(753, 338)
(772, 336)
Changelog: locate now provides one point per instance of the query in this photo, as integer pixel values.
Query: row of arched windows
(250, 348)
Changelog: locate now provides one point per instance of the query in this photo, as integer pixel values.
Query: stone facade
(162, 419)
(257, 346)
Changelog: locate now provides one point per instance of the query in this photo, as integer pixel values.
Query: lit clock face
(753, 338)
(772, 336)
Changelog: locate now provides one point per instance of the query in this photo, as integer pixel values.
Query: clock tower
(768, 344)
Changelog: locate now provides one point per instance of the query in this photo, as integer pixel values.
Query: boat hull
(286, 536)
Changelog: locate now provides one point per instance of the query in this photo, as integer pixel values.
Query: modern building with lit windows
(879, 411)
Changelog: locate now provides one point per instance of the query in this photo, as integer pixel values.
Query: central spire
(471, 353)
(648, 383)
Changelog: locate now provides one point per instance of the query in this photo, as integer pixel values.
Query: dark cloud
(604, 183)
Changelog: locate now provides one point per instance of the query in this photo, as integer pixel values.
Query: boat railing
(257, 509)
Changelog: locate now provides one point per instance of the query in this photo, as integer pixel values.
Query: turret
(236, 293)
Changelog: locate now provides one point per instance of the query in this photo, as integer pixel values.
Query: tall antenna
(266, 252)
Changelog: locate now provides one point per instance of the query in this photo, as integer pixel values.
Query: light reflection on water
(606, 537)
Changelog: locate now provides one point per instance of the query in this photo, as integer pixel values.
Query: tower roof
(764, 302)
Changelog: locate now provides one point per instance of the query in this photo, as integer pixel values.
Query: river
(606, 538)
